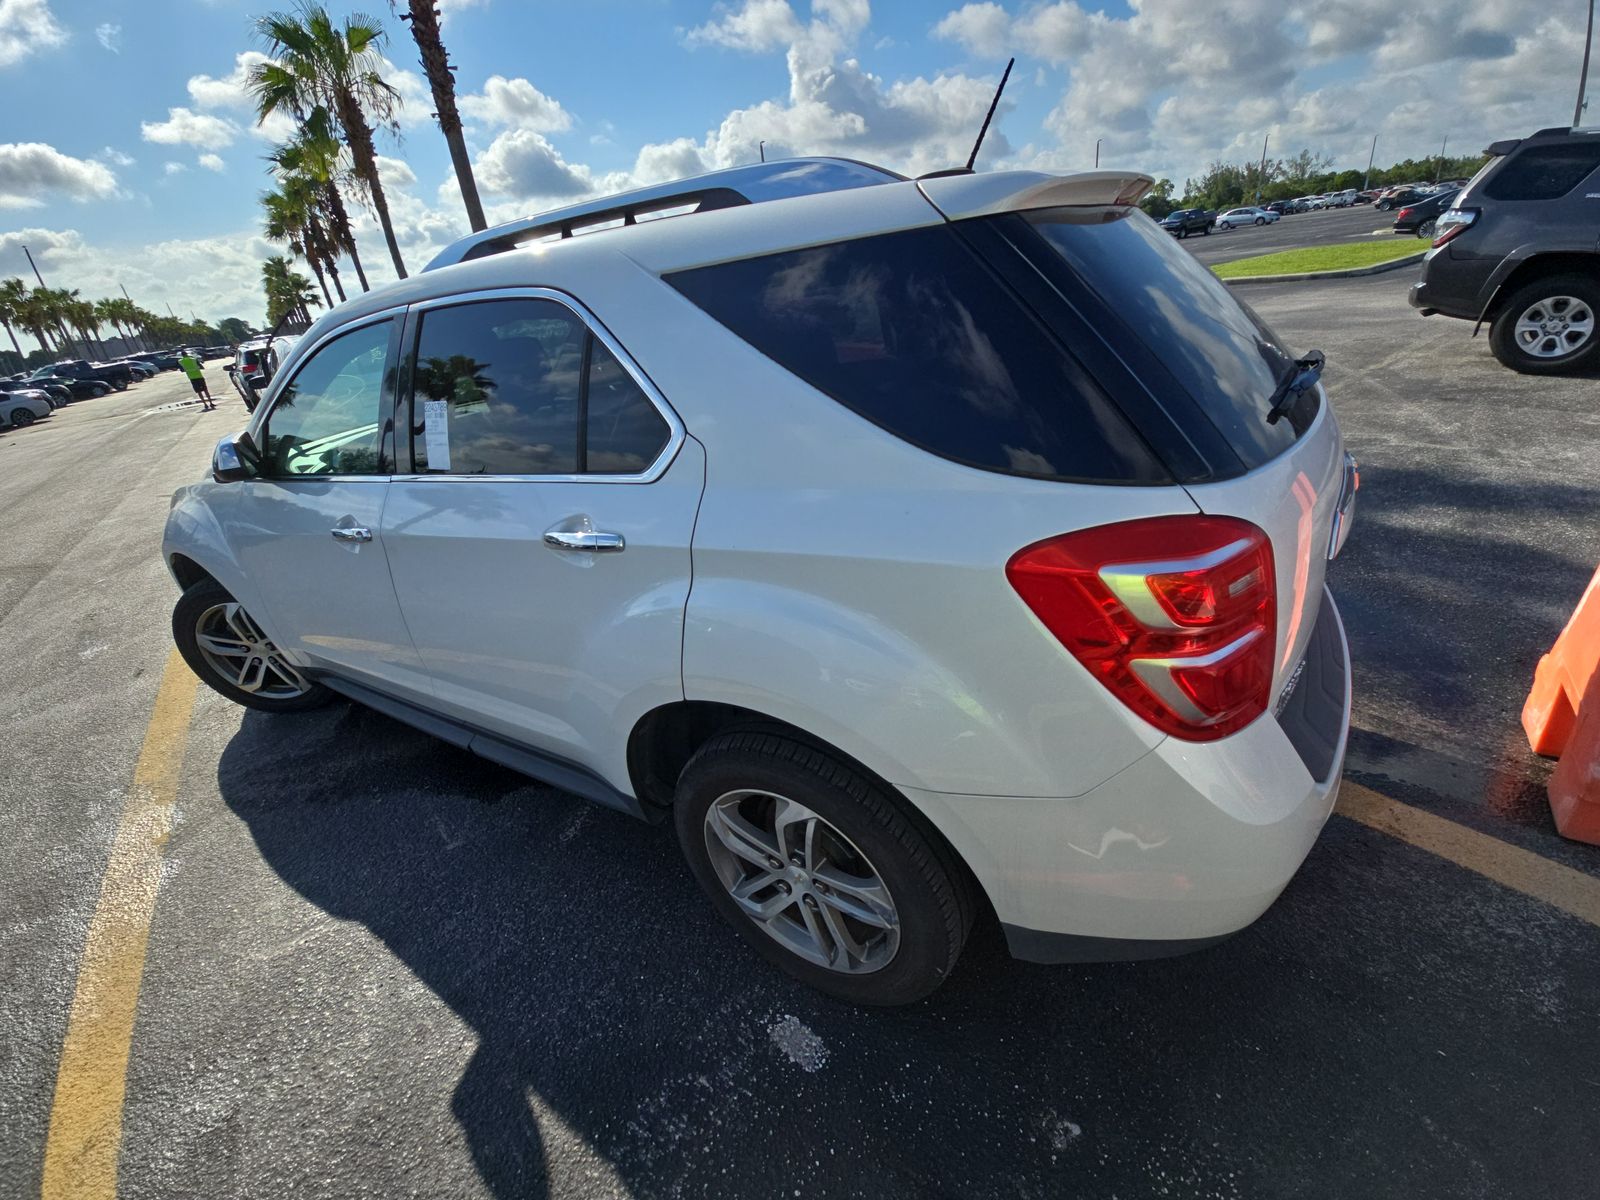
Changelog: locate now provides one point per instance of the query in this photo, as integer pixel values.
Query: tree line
(67, 325)
(1226, 185)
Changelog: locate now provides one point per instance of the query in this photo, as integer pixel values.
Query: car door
(307, 528)
(540, 544)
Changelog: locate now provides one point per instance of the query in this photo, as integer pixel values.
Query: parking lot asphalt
(381, 967)
(1322, 228)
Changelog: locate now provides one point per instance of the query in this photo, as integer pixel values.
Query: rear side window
(912, 332)
(1544, 172)
(523, 387)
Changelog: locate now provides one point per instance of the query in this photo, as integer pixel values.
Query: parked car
(1418, 219)
(255, 363)
(1248, 215)
(161, 360)
(1400, 197)
(77, 388)
(141, 369)
(1341, 199)
(973, 621)
(1184, 221)
(29, 391)
(1518, 250)
(21, 409)
(117, 375)
(1282, 207)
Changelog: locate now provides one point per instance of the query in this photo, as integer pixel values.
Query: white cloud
(216, 276)
(985, 29)
(185, 127)
(835, 105)
(1175, 84)
(26, 26)
(213, 162)
(515, 104)
(109, 36)
(32, 171)
(116, 157)
(174, 168)
(395, 172)
(521, 164)
(231, 92)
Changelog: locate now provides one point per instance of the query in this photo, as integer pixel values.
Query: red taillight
(1402, 214)
(1177, 616)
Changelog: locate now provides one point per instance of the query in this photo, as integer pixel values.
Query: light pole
(1367, 178)
(1097, 142)
(1442, 145)
(1583, 75)
(1261, 174)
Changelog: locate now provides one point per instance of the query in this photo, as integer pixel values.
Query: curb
(1350, 273)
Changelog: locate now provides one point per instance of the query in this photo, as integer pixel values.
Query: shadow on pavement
(1373, 1024)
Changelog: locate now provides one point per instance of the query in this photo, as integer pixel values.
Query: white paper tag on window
(436, 433)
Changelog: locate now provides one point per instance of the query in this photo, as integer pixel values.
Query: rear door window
(911, 331)
(1544, 172)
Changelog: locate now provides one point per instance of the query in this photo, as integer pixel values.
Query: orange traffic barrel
(1562, 717)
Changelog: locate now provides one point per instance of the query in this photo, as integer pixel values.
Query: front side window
(328, 420)
(522, 387)
(1545, 172)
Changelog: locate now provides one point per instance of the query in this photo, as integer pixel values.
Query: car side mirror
(235, 458)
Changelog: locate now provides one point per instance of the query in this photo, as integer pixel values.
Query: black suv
(1520, 249)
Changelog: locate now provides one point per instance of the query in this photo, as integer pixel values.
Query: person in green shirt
(197, 378)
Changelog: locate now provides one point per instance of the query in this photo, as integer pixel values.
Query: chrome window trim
(676, 432)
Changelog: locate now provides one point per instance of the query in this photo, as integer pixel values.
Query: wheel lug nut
(784, 887)
(811, 901)
(775, 863)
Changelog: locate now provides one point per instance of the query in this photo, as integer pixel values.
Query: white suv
(924, 549)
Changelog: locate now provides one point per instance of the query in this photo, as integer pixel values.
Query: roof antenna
(993, 104)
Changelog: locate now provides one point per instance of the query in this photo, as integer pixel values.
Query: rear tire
(1569, 305)
(21, 418)
(98, 390)
(201, 612)
(741, 788)
(1425, 230)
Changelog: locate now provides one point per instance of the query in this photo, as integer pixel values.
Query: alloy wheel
(235, 647)
(1554, 327)
(22, 418)
(802, 881)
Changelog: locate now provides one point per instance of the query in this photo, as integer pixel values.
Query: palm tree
(318, 63)
(424, 19)
(289, 220)
(314, 154)
(34, 314)
(288, 292)
(56, 302)
(13, 292)
(295, 212)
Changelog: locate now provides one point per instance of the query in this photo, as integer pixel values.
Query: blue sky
(128, 155)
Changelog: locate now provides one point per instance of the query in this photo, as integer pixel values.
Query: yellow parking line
(1558, 885)
(80, 1156)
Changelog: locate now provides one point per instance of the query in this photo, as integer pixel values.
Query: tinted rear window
(1175, 323)
(1544, 172)
(912, 332)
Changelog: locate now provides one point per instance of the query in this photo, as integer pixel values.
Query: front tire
(1549, 326)
(232, 656)
(98, 390)
(1261, 220)
(21, 418)
(820, 870)
(121, 385)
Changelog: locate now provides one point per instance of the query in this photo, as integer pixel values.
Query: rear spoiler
(960, 196)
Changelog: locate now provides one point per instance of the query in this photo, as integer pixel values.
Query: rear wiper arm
(1305, 375)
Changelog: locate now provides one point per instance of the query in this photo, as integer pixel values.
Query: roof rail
(752, 184)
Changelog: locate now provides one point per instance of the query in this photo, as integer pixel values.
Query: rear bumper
(1187, 845)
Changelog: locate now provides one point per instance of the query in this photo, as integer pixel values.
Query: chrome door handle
(588, 540)
(343, 533)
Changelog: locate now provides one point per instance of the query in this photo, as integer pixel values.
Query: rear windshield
(911, 331)
(1175, 323)
(1544, 172)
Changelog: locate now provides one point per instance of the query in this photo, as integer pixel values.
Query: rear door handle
(350, 533)
(590, 540)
